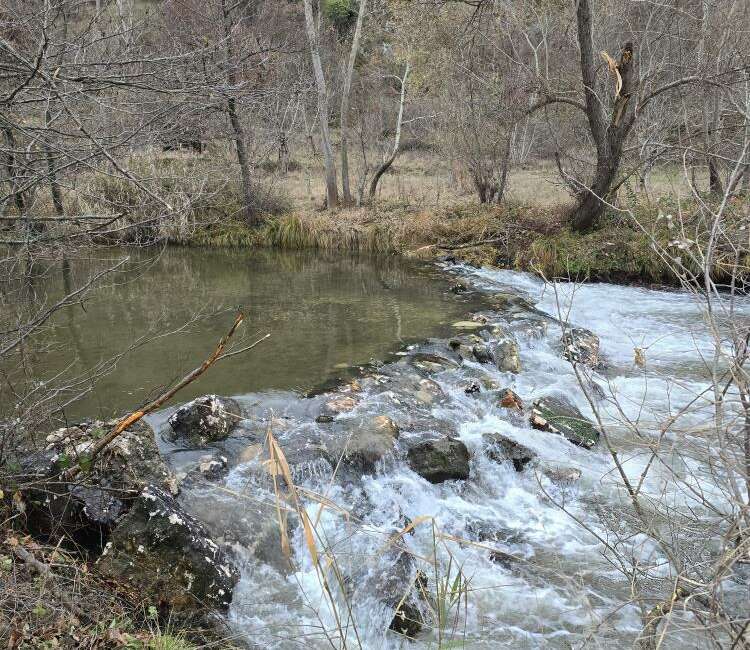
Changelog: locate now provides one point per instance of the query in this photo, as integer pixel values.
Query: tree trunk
(57, 200)
(13, 172)
(609, 138)
(238, 130)
(313, 34)
(715, 186)
(345, 92)
(385, 166)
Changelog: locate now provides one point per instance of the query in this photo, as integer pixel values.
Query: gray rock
(431, 363)
(365, 442)
(84, 511)
(581, 346)
(167, 555)
(507, 356)
(204, 420)
(440, 460)
(482, 353)
(501, 448)
(558, 416)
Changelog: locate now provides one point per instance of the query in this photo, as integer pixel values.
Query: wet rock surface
(502, 448)
(205, 420)
(581, 346)
(440, 460)
(507, 356)
(364, 443)
(168, 555)
(557, 415)
(121, 511)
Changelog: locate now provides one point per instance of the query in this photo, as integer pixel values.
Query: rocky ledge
(121, 513)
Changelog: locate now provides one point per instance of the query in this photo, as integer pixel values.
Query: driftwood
(131, 419)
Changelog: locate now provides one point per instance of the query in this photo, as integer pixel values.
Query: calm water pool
(324, 313)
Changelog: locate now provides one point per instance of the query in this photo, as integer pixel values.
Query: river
(535, 569)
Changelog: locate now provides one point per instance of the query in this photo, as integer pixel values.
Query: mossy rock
(558, 416)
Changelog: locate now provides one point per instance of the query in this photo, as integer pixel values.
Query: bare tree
(313, 36)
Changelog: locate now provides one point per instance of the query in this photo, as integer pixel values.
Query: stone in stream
(402, 589)
(581, 346)
(440, 460)
(482, 353)
(473, 388)
(468, 325)
(430, 363)
(206, 419)
(507, 357)
(558, 416)
(510, 400)
(337, 405)
(562, 475)
(167, 555)
(365, 441)
(500, 448)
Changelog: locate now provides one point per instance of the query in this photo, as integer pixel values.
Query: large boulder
(364, 443)
(120, 510)
(84, 511)
(167, 555)
(501, 448)
(581, 346)
(205, 420)
(440, 460)
(559, 416)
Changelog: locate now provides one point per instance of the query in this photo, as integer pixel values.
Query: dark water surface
(324, 313)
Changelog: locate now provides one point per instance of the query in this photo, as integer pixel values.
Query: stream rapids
(528, 543)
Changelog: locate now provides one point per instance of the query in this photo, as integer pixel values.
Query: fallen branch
(455, 247)
(45, 570)
(131, 419)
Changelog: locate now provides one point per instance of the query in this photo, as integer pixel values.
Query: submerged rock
(336, 406)
(559, 416)
(562, 475)
(167, 555)
(440, 460)
(365, 442)
(402, 589)
(204, 420)
(581, 346)
(501, 448)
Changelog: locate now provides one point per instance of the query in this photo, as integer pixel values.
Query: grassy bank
(515, 236)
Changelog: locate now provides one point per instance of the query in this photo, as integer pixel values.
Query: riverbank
(626, 249)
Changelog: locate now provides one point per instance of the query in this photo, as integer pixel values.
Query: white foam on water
(558, 590)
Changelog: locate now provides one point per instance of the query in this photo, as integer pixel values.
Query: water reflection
(323, 311)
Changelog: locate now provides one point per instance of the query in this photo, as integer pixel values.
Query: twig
(165, 397)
